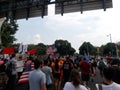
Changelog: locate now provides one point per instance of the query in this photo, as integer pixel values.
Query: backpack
(101, 65)
(9, 68)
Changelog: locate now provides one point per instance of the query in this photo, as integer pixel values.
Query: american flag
(51, 49)
(25, 75)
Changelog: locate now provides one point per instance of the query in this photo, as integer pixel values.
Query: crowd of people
(59, 73)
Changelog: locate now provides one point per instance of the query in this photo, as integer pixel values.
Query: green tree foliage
(64, 47)
(87, 48)
(105, 50)
(8, 31)
(31, 46)
(41, 49)
(16, 46)
(109, 49)
(72, 51)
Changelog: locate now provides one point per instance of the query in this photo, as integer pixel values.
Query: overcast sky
(91, 26)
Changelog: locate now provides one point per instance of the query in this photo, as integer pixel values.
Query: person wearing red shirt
(85, 71)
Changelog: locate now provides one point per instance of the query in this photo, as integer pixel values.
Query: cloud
(91, 26)
(37, 39)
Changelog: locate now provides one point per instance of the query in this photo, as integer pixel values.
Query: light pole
(115, 45)
(110, 37)
(110, 41)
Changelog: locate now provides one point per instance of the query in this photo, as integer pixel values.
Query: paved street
(96, 79)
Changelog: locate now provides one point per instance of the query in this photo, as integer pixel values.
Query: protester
(57, 75)
(101, 65)
(23, 82)
(28, 63)
(93, 66)
(48, 72)
(108, 84)
(20, 66)
(2, 65)
(77, 61)
(11, 72)
(85, 71)
(67, 67)
(74, 83)
(116, 75)
(37, 79)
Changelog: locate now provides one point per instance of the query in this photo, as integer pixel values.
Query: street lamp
(110, 37)
(110, 41)
(115, 44)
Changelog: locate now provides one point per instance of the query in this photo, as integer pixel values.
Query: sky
(91, 26)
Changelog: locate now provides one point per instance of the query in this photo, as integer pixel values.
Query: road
(96, 79)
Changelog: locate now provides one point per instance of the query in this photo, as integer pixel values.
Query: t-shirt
(70, 86)
(36, 79)
(113, 86)
(20, 65)
(48, 71)
(84, 67)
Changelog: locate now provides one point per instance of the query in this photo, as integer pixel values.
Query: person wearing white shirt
(108, 84)
(20, 66)
(74, 83)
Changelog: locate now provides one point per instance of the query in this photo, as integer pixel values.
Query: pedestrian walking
(11, 72)
(85, 71)
(37, 79)
(48, 72)
(108, 83)
(74, 83)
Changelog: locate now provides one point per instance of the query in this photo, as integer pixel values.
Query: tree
(31, 46)
(41, 49)
(72, 51)
(64, 47)
(87, 48)
(8, 31)
(109, 49)
(16, 46)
